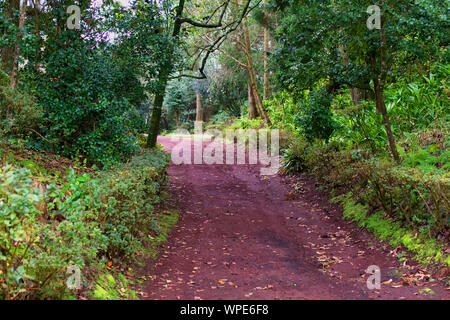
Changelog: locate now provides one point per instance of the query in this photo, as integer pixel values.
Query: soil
(243, 236)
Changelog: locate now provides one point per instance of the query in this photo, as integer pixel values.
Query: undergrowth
(387, 229)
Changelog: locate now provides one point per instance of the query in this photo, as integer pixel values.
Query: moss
(113, 285)
(386, 229)
(166, 222)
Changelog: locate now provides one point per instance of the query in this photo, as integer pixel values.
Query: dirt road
(245, 236)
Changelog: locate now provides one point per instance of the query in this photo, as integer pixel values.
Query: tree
(168, 65)
(328, 43)
(243, 48)
(179, 98)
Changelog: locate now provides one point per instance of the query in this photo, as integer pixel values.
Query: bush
(44, 229)
(388, 229)
(315, 118)
(246, 123)
(283, 111)
(417, 198)
(128, 194)
(36, 248)
(293, 158)
(19, 114)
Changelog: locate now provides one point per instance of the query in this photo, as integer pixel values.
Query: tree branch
(218, 24)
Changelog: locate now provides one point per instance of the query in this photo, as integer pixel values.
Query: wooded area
(362, 107)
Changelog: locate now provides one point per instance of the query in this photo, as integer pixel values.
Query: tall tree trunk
(379, 84)
(251, 72)
(251, 103)
(355, 96)
(266, 49)
(266, 72)
(199, 115)
(381, 108)
(177, 119)
(163, 79)
(15, 66)
(155, 118)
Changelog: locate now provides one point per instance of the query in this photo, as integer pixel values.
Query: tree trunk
(379, 84)
(266, 71)
(381, 108)
(355, 96)
(251, 72)
(15, 66)
(199, 115)
(163, 79)
(177, 118)
(155, 118)
(251, 104)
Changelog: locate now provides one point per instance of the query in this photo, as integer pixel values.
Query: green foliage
(283, 112)
(19, 113)
(415, 104)
(246, 123)
(313, 36)
(428, 149)
(412, 196)
(180, 100)
(113, 287)
(128, 194)
(327, 44)
(386, 229)
(47, 227)
(315, 118)
(77, 92)
(310, 116)
(220, 121)
(357, 126)
(293, 158)
(227, 92)
(36, 251)
(17, 215)
(89, 120)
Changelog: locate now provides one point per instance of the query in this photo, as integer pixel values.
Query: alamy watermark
(74, 20)
(374, 21)
(74, 280)
(374, 280)
(212, 147)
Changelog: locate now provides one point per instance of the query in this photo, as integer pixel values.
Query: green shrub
(128, 193)
(19, 114)
(283, 111)
(412, 196)
(315, 118)
(35, 248)
(246, 123)
(293, 158)
(390, 230)
(44, 229)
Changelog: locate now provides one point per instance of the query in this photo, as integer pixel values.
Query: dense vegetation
(365, 110)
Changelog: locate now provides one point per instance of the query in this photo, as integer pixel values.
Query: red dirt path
(244, 236)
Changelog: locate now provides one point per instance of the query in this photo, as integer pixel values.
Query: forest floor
(246, 236)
